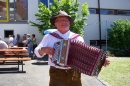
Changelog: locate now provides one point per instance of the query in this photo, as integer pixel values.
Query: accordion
(79, 56)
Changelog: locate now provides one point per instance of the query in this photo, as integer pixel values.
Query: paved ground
(37, 75)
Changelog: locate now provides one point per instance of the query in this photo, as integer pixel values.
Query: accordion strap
(74, 36)
(56, 35)
(59, 37)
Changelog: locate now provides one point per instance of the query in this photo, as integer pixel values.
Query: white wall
(92, 3)
(116, 4)
(18, 29)
(91, 30)
(32, 10)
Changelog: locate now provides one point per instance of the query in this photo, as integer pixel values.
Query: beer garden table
(18, 53)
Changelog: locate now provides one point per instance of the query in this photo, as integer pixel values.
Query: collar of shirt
(65, 35)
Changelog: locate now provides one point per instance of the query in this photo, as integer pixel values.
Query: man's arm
(44, 47)
(47, 50)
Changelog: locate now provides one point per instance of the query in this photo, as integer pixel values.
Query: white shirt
(11, 41)
(3, 45)
(49, 40)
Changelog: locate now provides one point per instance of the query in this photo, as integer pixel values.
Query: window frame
(102, 13)
(8, 34)
(92, 10)
(123, 11)
(15, 21)
(47, 2)
(7, 12)
(97, 42)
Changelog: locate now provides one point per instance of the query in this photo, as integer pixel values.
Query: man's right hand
(47, 50)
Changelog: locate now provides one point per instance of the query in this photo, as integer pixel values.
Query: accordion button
(64, 44)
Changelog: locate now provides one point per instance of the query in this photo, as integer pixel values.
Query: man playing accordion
(60, 75)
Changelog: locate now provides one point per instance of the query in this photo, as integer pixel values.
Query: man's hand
(107, 61)
(47, 50)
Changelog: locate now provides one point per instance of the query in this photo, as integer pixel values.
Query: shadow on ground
(41, 61)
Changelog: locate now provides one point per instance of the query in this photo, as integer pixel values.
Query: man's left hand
(107, 61)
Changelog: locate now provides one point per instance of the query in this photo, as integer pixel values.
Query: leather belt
(64, 70)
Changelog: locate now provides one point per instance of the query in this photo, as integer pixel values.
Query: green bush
(119, 37)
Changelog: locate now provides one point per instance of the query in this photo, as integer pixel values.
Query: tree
(119, 37)
(70, 6)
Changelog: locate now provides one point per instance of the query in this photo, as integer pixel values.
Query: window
(92, 11)
(46, 2)
(4, 11)
(102, 11)
(103, 42)
(18, 10)
(122, 12)
(8, 32)
(14, 10)
(93, 42)
(97, 42)
(51, 1)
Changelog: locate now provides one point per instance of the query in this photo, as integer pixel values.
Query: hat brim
(52, 19)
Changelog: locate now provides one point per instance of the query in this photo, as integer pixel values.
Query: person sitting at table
(24, 40)
(10, 42)
(19, 40)
(3, 45)
(15, 41)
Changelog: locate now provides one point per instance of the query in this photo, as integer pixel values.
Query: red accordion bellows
(84, 58)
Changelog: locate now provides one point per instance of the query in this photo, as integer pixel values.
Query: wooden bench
(17, 59)
(17, 55)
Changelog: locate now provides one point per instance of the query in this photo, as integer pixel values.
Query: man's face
(62, 24)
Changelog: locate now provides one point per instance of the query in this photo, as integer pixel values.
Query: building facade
(102, 14)
(16, 14)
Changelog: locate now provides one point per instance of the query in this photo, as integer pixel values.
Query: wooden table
(14, 51)
(11, 50)
(17, 47)
(18, 53)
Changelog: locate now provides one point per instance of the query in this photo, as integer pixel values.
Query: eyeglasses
(62, 21)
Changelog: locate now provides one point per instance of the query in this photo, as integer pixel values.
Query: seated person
(10, 42)
(3, 45)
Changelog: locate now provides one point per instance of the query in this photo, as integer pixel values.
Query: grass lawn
(117, 73)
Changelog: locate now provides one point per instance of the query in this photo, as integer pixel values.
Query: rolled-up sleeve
(43, 43)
